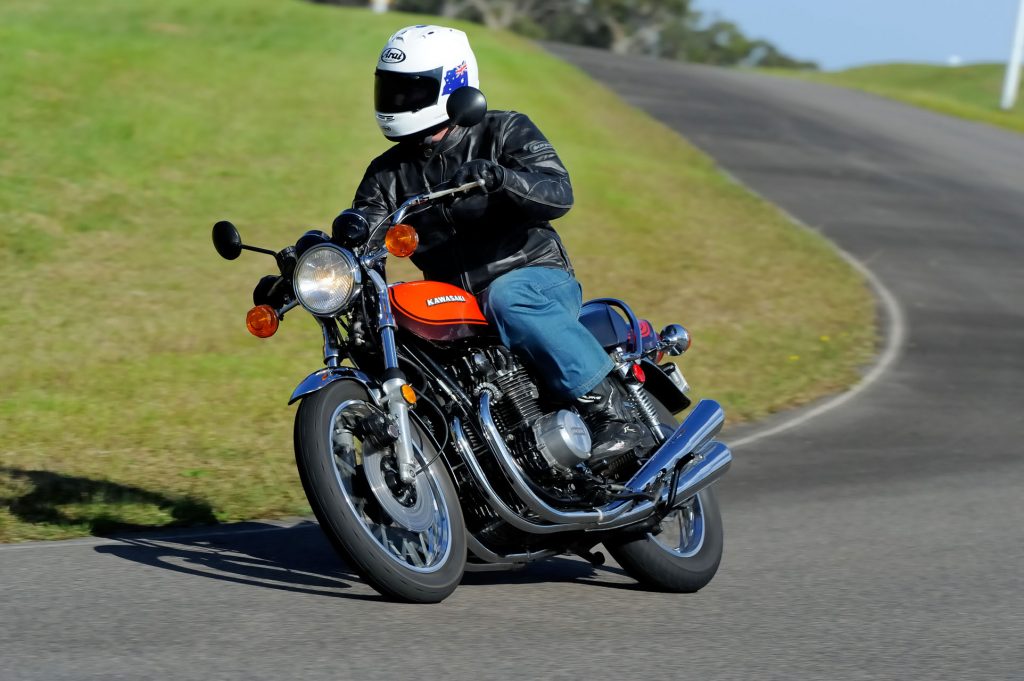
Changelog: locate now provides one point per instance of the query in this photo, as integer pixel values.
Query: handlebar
(422, 199)
(371, 259)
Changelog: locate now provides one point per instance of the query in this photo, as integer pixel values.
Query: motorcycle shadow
(299, 559)
(296, 559)
(558, 569)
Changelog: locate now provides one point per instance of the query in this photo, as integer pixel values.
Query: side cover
(437, 311)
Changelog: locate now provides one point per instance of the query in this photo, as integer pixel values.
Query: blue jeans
(536, 311)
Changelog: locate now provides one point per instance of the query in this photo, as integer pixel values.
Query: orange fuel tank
(437, 311)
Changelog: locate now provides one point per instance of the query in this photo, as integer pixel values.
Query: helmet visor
(401, 92)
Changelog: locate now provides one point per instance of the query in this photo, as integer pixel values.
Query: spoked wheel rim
(409, 523)
(681, 532)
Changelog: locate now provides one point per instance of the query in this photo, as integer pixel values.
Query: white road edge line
(895, 329)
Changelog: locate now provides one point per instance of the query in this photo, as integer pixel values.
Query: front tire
(408, 541)
(682, 555)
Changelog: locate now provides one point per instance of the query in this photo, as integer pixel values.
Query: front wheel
(682, 554)
(407, 540)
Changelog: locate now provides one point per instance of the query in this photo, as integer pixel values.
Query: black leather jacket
(471, 240)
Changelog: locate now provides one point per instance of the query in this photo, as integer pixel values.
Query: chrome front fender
(318, 380)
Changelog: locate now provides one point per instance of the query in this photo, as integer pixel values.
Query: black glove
(490, 172)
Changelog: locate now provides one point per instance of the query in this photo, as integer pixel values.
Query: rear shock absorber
(633, 377)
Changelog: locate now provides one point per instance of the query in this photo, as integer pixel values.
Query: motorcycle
(426, 448)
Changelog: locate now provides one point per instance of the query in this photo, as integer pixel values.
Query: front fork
(394, 380)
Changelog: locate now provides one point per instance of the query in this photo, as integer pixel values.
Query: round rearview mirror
(466, 106)
(227, 240)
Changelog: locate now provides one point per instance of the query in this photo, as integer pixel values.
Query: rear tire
(407, 541)
(684, 553)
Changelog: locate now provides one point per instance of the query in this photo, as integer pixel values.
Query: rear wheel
(407, 540)
(682, 554)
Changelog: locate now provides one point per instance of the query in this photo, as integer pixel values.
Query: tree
(635, 26)
(495, 14)
(671, 29)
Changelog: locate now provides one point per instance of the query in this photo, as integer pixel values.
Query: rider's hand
(490, 172)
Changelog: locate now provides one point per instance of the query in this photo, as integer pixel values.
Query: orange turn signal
(262, 321)
(402, 240)
(409, 394)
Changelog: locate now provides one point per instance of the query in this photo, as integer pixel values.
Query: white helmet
(418, 69)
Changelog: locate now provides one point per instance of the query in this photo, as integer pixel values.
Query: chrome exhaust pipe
(521, 485)
(708, 467)
(702, 424)
(692, 482)
(491, 496)
(711, 461)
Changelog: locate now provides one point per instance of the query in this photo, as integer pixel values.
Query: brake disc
(411, 505)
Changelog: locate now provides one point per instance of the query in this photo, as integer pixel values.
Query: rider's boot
(611, 429)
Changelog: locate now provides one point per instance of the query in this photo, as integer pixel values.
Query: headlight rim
(357, 277)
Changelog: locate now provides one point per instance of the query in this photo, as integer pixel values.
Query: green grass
(972, 92)
(132, 394)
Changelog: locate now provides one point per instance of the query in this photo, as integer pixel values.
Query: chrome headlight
(326, 279)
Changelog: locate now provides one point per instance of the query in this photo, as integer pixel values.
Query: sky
(842, 33)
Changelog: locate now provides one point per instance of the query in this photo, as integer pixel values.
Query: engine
(549, 446)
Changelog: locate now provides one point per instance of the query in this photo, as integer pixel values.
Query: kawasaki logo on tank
(431, 302)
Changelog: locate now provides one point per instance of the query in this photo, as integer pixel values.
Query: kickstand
(595, 558)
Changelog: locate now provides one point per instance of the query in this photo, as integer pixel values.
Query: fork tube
(385, 320)
(332, 343)
(394, 379)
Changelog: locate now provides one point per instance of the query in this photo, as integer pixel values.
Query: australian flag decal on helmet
(456, 78)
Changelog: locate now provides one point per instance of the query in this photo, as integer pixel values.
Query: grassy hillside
(132, 394)
(971, 92)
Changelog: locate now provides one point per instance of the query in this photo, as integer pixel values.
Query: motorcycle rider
(499, 243)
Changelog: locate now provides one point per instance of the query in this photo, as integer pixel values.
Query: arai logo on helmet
(392, 55)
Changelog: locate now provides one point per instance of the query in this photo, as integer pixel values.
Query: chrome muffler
(702, 424)
(711, 460)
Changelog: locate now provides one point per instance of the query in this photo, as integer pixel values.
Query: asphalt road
(881, 539)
